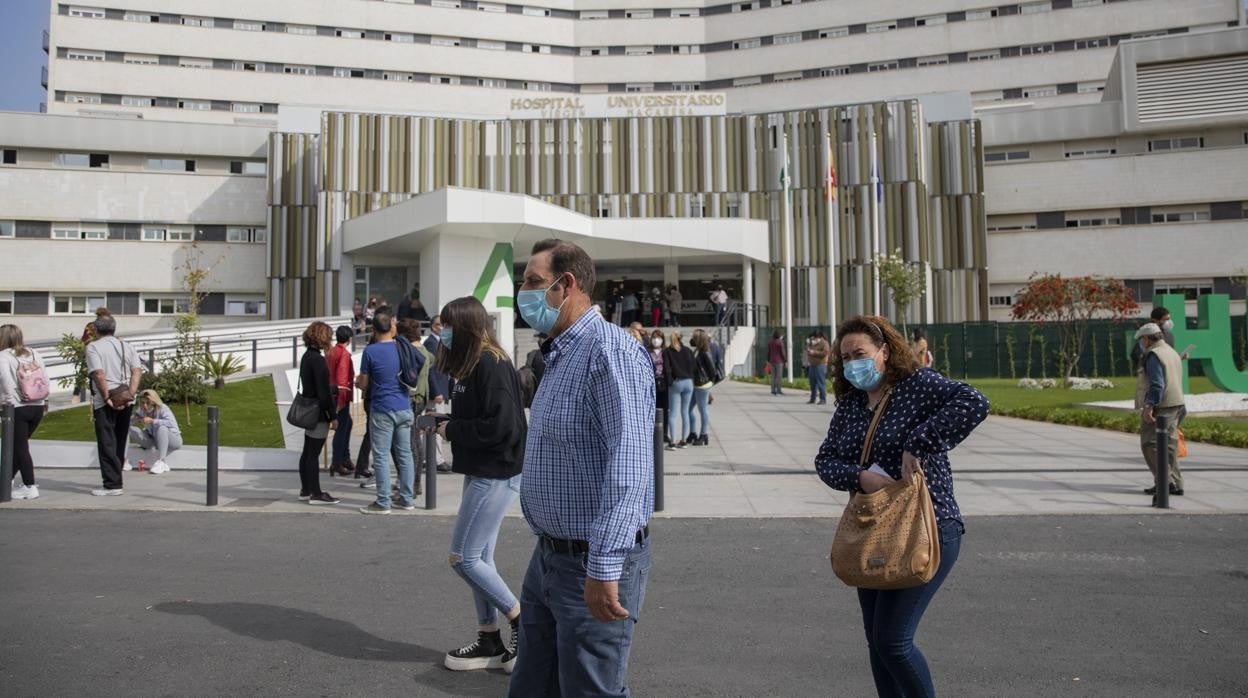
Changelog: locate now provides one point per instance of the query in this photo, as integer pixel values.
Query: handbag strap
(875, 422)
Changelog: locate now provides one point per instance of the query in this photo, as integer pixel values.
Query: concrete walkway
(759, 464)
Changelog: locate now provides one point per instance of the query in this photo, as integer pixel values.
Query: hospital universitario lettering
(704, 104)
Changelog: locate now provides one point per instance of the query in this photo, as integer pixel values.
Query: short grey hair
(105, 325)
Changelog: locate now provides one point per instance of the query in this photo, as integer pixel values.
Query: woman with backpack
(487, 431)
(23, 384)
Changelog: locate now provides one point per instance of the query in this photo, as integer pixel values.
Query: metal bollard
(294, 352)
(254, 355)
(214, 429)
(1161, 498)
(8, 422)
(658, 460)
(428, 422)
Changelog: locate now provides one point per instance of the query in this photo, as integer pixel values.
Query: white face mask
(656, 342)
(1168, 325)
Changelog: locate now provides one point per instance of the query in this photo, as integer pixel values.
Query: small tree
(905, 281)
(1070, 304)
(1241, 280)
(181, 375)
(72, 350)
(1010, 344)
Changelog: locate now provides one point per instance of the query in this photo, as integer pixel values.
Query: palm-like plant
(220, 367)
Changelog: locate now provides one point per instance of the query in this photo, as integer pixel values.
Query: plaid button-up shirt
(589, 458)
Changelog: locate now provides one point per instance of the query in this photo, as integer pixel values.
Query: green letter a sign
(1212, 338)
(499, 275)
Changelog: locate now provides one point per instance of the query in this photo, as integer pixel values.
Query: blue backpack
(411, 364)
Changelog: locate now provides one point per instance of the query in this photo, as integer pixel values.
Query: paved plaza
(153, 594)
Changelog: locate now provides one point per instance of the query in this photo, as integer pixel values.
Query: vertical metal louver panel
(1193, 89)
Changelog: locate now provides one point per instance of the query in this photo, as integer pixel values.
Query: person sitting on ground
(155, 427)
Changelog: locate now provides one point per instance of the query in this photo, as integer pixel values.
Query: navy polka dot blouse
(927, 415)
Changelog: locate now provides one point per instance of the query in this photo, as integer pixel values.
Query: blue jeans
(392, 430)
(342, 437)
(679, 396)
(818, 382)
(481, 511)
(701, 396)
(563, 650)
(891, 618)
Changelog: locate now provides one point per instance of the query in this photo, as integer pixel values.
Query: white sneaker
(21, 492)
(126, 465)
(32, 492)
(108, 493)
(160, 467)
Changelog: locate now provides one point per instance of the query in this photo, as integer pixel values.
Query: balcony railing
(43, 76)
(43, 107)
(46, 40)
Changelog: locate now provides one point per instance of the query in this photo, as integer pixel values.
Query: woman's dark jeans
(891, 618)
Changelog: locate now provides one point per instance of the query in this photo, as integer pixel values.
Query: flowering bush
(1070, 304)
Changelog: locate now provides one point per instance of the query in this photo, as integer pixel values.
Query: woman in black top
(678, 368)
(314, 383)
(487, 431)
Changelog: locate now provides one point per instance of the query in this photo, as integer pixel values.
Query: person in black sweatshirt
(314, 383)
(487, 431)
(678, 369)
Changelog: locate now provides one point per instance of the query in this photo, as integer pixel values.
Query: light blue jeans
(387, 429)
(679, 397)
(485, 501)
(701, 396)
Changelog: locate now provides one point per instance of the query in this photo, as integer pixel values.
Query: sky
(21, 53)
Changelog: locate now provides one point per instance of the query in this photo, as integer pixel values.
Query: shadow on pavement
(312, 630)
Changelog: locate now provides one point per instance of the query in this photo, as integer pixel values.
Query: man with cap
(1161, 383)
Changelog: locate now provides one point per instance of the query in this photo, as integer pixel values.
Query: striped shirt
(589, 458)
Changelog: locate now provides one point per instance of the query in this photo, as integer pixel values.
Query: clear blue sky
(21, 53)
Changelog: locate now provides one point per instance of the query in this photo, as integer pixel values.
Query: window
(639, 87)
(833, 33)
(990, 54)
(6, 229)
(400, 37)
(931, 20)
(233, 234)
(1090, 87)
(747, 43)
(248, 26)
(81, 98)
(1188, 288)
(79, 55)
(535, 48)
(537, 86)
(444, 41)
(92, 12)
(169, 165)
(348, 73)
(66, 231)
(93, 232)
(299, 70)
(1091, 222)
(491, 7)
(195, 63)
(1032, 8)
(301, 29)
(536, 12)
(1180, 217)
(1090, 153)
(76, 305)
(639, 14)
(1045, 91)
(493, 82)
(886, 65)
(787, 77)
(1175, 143)
(397, 77)
(876, 27)
(1092, 43)
(141, 59)
(1000, 301)
(153, 234)
(94, 160)
(593, 51)
(178, 235)
(1088, 3)
(443, 79)
(973, 15)
(746, 82)
(687, 49)
(585, 14)
(247, 167)
(241, 306)
(497, 45)
(349, 33)
(197, 22)
(164, 305)
(1005, 156)
(248, 66)
(833, 72)
(449, 4)
(1036, 49)
(245, 108)
(9, 156)
(140, 17)
(6, 302)
(686, 87)
(792, 38)
(194, 105)
(638, 50)
(686, 12)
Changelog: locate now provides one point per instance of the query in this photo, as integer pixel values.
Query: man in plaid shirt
(588, 486)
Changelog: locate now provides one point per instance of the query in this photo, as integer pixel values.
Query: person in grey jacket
(15, 357)
(154, 426)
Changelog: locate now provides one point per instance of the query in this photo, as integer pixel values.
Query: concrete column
(671, 274)
(747, 289)
(453, 267)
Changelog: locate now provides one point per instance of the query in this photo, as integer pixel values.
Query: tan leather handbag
(887, 539)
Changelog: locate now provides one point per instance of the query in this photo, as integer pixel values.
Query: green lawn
(249, 418)
(1063, 406)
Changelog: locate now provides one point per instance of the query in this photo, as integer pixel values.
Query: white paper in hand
(875, 468)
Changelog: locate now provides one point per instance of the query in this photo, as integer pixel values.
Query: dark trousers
(309, 470)
(112, 429)
(342, 436)
(26, 420)
(891, 619)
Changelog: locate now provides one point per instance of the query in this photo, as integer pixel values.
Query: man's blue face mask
(536, 311)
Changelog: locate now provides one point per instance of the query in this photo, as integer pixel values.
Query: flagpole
(787, 292)
(830, 197)
(875, 223)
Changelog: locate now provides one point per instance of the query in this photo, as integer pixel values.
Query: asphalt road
(156, 604)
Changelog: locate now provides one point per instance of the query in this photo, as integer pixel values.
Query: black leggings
(309, 469)
(26, 421)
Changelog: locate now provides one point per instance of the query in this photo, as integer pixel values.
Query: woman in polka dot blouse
(925, 416)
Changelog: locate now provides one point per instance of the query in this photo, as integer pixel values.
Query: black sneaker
(513, 647)
(485, 652)
(322, 498)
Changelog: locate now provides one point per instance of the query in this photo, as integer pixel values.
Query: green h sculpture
(1212, 337)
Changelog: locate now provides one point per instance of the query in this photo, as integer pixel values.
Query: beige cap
(1148, 330)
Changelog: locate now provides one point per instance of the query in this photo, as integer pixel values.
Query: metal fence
(1020, 349)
